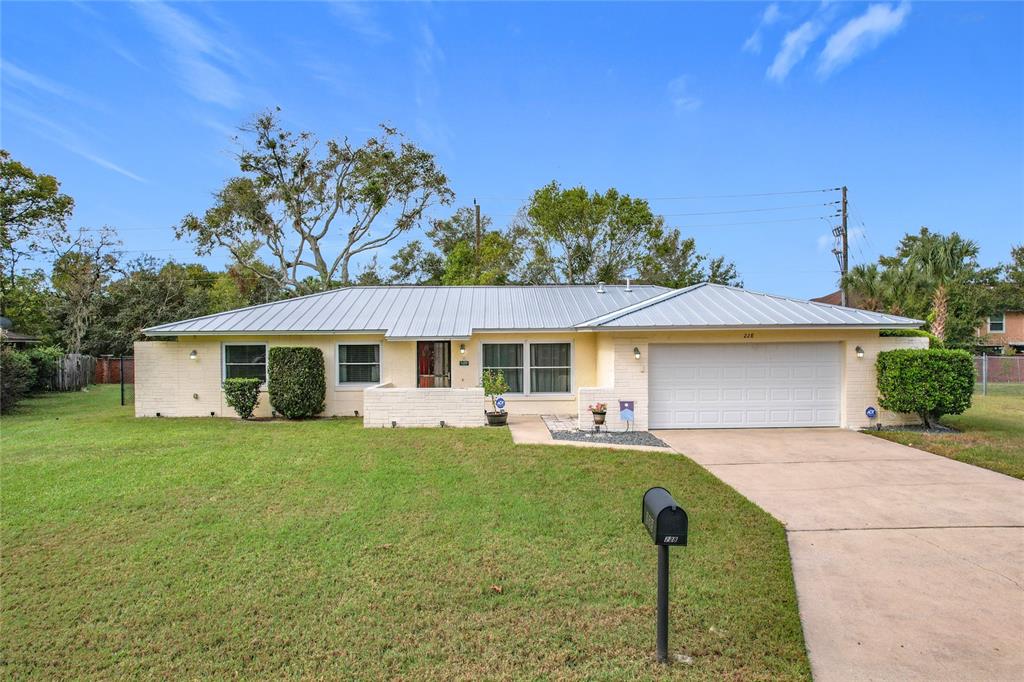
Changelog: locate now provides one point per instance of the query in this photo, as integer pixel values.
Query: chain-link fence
(999, 374)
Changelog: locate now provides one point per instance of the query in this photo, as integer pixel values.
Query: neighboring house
(707, 356)
(9, 337)
(1002, 329)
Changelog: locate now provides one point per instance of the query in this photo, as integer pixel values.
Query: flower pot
(496, 418)
(598, 418)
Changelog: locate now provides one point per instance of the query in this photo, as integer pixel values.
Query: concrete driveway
(907, 565)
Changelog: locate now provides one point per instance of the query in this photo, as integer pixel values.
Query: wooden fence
(73, 372)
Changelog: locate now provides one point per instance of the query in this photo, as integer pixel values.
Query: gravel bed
(936, 429)
(615, 437)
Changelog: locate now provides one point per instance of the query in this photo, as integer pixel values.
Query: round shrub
(16, 377)
(296, 383)
(928, 382)
(242, 393)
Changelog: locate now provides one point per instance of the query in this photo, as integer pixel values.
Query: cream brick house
(706, 356)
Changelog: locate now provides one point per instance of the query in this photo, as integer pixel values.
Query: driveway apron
(907, 565)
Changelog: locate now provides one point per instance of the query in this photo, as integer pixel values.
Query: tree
(673, 261)
(33, 217)
(942, 262)
(455, 258)
(79, 275)
(296, 197)
(590, 237)
(149, 293)
(30, 304)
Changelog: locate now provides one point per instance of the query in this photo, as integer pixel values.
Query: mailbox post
(667, 524)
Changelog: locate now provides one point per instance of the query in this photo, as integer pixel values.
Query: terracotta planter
(496, 418)
(599, 418)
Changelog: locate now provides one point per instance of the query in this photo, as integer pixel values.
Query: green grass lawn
(214, 548)
(991, 433)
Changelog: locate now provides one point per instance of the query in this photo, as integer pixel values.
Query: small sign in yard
(500, 403)
(871, 412)
(626, 410)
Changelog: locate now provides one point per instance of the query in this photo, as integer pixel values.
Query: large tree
(80, 273)
(33, 218)
(314, 206)
(589, 236)
(673, 261)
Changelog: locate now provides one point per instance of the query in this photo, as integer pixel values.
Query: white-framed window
(506, 358)
(358, 363)
(550, 368)
(997, 323)
(245, 360)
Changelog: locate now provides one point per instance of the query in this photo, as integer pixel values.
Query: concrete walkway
(907, 565)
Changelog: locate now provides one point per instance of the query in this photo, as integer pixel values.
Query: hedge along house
(706, 356)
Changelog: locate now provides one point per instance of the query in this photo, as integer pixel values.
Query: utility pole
(845, 265)
(477, 207)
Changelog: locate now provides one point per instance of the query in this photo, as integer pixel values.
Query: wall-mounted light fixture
(636, 352)
(860, 351)
(193, 355)
(462, 349)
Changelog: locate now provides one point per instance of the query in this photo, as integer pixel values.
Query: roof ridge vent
(600, 287)
(628, 288)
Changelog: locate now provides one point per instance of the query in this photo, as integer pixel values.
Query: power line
(738, 196)
(757, 222)
(751, 210)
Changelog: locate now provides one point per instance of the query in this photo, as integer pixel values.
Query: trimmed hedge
(242, 393)
(929, 382)
(17, 375)
(296, 382)
(933, 341)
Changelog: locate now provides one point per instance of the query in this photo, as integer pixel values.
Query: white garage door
(705, 386)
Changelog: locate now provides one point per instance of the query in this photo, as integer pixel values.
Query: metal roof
(710, 306)
(420, 311)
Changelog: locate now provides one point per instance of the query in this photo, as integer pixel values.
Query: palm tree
(867, 285)
(940, 261)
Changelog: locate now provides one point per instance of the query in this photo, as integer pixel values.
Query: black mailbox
(664, 519)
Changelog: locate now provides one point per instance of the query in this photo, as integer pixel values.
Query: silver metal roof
(709, 306)
(420, 311)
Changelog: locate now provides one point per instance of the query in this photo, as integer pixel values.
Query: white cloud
(770, 15)
(204, 61)
(861, 34)
(69, 140)
(681, 97)
(358, 17)
(15, 76)
(794, 47)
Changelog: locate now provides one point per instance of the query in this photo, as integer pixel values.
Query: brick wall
(108, 370)
(422, 406)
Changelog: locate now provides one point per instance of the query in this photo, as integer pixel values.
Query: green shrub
(494, 384)
(242, 393)
(929, 382)
(933, 341)
(296, 382)
(16, 377)
(44, 361)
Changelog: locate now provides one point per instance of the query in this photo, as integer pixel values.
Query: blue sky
(919, 109)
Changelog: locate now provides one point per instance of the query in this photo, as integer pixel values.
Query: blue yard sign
(871, 412)
(500, 402)
(626, 410)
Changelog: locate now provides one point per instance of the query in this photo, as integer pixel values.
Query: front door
(434, 364)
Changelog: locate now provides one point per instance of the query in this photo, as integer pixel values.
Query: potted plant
(599, 410)
(494, 385)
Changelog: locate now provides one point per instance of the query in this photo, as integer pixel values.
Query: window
(434, 364)
(248, 360)
(358, 363)
(550, 367)
(506, 358)
(996, 323)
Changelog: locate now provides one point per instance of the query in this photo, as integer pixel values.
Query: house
(1002, 329)
(706, 356)
(16, 340)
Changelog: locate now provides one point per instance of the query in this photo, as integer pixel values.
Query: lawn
(991, 433)
(214, 548)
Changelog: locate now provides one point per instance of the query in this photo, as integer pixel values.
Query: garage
(763, 385)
